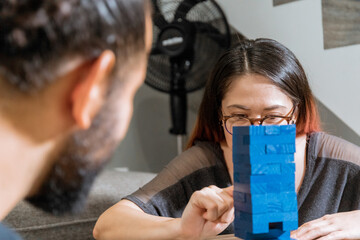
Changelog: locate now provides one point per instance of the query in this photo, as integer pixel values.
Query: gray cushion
(108, 189)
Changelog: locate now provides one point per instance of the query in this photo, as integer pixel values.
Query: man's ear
(88, 94)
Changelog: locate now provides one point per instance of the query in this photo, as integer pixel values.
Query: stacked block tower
(264, 181)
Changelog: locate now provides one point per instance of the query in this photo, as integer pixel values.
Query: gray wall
(148, 145)
(334, 125)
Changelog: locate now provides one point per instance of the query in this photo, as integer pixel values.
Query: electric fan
(189, 37)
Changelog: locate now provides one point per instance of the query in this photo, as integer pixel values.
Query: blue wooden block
(280, 148)
(258, 199)
(257, 130)
(265, 130)
(288, 129)
(272, 130)
(254, 159)
(282, 235)
(240, 224)
(289, 201)
(258, 169)
(273, 158)
(253, 149)
(280, 129)
(278, 139)
(260, 203)
(285, 177)
(259, 188)
(274, 202)
(290, 217)
(282, 217)
(240, 140)
(243, 168)
(265, 168)
(274, 217)
(270, 168)
(287, 168)
(290, 225)
(240, 233)
(241, 228)
(258, 222)
(243, 163)
(272, 234)
(252, 205)
(284, 186)
(239, 197)
(238, 178)
(241, 131)
(247, 179)
(265, 202)
(274, 187)
(288, 185)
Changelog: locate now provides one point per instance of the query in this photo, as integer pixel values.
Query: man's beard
(85, 154)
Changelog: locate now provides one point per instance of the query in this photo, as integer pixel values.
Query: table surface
(224, 237)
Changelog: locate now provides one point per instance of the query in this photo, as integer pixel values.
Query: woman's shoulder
(201, 154)
(325, 145)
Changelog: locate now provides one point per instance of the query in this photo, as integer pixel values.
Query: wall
(148, 145)
(333, 74)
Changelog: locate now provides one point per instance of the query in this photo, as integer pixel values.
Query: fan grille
(212, 34)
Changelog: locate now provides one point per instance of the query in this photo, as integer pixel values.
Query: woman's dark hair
(35, 35)
(265, 57)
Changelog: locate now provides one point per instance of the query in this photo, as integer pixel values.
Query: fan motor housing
(174, 39)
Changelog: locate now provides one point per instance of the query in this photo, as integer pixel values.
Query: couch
(108, 189)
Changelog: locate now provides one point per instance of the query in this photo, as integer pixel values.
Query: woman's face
(254, 96)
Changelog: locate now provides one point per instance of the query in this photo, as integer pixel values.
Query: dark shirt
(7, 234)
(330, 185)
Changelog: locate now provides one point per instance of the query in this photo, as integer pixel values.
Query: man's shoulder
(8, 234)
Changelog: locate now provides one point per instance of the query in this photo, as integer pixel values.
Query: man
(69, 70)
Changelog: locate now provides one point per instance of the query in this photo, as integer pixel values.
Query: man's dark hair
(36, 35)
(36, 38)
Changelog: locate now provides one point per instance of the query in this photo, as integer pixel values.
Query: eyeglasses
(240, 120)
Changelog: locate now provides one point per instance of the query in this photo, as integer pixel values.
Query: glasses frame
(260, 120)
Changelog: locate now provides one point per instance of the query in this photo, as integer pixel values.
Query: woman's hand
(208, 212)
(344, 225)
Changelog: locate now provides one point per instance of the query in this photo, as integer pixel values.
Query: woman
(192, 197)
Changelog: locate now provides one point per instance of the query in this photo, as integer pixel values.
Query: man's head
(69, 70)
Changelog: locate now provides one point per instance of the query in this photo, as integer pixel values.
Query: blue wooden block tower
(264, 181)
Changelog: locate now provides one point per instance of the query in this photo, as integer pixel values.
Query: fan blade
(184, 7)
(158, 18)
(222, 39)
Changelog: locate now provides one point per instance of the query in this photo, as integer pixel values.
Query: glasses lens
(275, 121)
(236, 122)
